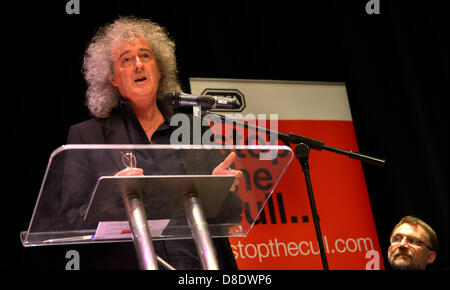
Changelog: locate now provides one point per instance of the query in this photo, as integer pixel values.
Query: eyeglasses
(129, 160)
(397, 239)
(129, 60)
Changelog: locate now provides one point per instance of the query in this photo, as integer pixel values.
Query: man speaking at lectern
(129, 65)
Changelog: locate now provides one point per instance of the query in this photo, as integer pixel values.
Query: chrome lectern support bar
(200, 232)
(141, 232)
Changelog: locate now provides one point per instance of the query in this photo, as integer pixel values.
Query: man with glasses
(413, 246)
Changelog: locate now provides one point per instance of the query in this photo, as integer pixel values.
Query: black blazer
(88, 166)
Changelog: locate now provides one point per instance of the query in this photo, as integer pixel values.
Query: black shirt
(135, 131)
(181, 254)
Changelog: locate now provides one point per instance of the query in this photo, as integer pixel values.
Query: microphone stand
(302, 149)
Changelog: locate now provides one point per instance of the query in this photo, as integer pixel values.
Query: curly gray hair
(101, 96)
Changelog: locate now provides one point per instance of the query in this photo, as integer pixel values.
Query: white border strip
(291, 100)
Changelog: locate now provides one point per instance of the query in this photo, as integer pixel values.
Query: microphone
(178, 100)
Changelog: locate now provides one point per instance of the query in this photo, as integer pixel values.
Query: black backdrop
(395, 65)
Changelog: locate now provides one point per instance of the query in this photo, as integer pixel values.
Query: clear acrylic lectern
(82, 200)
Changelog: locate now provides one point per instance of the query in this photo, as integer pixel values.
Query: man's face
(408, 249)
(135, 71)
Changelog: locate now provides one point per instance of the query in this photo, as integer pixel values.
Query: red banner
(284, 236)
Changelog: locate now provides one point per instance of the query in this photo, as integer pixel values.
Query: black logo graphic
(230, 93)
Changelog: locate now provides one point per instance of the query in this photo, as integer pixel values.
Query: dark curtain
(395, 65)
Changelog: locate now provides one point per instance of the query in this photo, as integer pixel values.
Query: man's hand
(224, 169)
(130, 171)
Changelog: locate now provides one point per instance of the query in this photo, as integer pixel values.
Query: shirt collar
(134, 127)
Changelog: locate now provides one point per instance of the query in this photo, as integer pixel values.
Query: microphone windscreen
(206, 101)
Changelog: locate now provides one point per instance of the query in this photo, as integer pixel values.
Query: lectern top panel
(74, 172)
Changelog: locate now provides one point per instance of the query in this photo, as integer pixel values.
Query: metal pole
(200, 231)
(141, 232)
(302, 154)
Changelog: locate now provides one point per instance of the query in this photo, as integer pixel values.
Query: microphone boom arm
(292, 138)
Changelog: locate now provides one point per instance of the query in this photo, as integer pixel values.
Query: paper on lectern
(121, 229)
